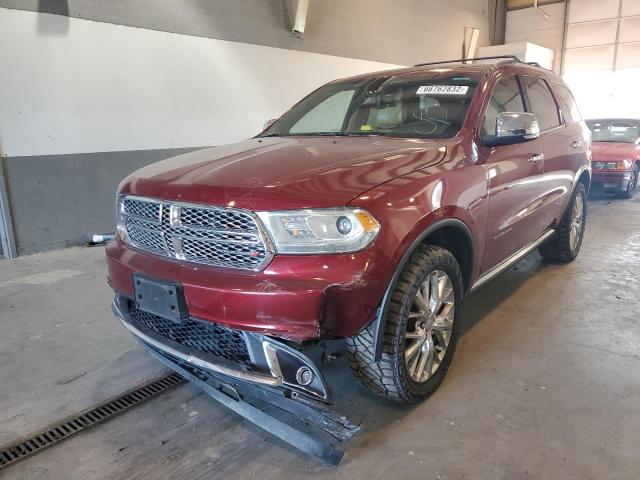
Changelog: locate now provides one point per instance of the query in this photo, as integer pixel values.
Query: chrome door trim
(511, 260)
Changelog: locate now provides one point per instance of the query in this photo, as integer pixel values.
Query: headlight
(332, 230)
(625, 164)
(619, 165)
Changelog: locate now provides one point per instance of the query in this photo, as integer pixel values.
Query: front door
(513, 173)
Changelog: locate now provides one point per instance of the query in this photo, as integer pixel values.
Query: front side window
(506, 97)
(616, 131)
(418, 106)
(542, 103)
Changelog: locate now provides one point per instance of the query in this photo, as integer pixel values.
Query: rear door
(563, 143)
(513, 173)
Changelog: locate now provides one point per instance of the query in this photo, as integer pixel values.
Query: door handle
(575, 144)
(536, 157)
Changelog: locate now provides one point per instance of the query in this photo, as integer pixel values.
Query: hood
(610, 151)
(283, 172)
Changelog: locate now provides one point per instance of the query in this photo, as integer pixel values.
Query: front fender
(380, 320)
(412, 207)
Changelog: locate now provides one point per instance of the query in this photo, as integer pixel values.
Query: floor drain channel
(60, 431)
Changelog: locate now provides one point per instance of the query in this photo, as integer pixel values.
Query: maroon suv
(366, 212)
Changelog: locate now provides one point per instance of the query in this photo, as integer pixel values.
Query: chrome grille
(142, 209)
(217, 236)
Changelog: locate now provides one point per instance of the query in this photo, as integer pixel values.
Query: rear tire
(422, 328)
(633, 183)
(564, 245)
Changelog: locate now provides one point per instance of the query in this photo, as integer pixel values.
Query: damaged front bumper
(258, 374)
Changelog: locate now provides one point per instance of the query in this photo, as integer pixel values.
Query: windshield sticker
(442, 90)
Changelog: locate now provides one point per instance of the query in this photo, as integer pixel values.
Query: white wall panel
(630, 29)
(589, 58)
(587, 10)
(630, 7)
(629, 57)
(92, 86)
(601, 32)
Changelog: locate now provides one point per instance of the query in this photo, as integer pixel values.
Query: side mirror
(513, 127)
(268, 123)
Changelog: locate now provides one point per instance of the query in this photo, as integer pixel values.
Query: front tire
(422, 329)
(564, 245)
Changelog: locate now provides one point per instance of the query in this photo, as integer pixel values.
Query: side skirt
(512, 260)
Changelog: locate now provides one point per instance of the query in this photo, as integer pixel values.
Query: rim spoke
(416, 314)
(444, 313)
(424, 361)
(434, 285)
(414, 348)
(421, 302)
(413, 335)
(413, 366)
(445, 326)
(427, 365)
(448, 295)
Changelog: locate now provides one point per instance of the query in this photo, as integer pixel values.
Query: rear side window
(542, 103)
(568, 102)
(506, 97)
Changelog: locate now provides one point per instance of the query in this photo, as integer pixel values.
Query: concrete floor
(545, 383)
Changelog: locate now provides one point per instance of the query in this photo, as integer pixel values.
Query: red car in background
(615, 155)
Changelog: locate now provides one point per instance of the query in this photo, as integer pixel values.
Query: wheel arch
(584, 177)
(452, 234)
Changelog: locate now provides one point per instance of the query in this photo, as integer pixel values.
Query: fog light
(304, 376)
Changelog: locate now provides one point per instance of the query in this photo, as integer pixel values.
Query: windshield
(424, 106)
(618, 131)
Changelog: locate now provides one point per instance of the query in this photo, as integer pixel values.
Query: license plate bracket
(160, 297)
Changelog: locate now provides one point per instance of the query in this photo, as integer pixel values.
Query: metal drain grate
(59, 431)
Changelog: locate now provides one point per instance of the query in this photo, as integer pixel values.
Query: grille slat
(223, 237)
(205, 336)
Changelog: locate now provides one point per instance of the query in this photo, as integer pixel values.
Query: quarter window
(542, 103)
(569, 102)
(506, 97)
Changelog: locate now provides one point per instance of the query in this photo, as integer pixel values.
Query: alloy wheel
(633, 181)
(429, 326)
(577, 220)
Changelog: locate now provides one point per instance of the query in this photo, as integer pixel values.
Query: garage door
(602, 56)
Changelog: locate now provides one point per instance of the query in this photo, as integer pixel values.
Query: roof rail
(513, 58)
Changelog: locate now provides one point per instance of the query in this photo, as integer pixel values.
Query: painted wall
(400, 31)
(96, 87)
